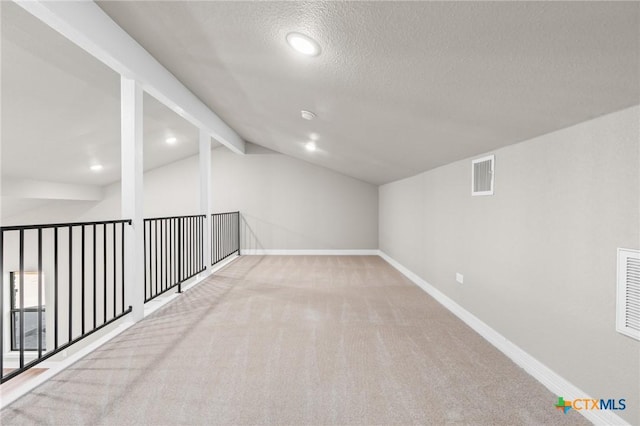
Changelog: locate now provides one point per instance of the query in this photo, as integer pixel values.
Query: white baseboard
(279, 252)
(550, 379)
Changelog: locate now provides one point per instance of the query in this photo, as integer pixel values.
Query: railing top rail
(63, 225)
(217, 214)
(173, 217)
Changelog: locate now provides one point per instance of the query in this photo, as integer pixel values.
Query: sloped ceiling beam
(86, 25)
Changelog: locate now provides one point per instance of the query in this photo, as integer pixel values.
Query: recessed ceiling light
(96, 167)
(303, 44)
(311, 146)
(307, 115)
(171, 140)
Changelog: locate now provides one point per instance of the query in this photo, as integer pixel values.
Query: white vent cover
(628, 306)
(482, 175)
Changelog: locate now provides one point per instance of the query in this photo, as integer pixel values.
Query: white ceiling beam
(88, 26)
(44, 190)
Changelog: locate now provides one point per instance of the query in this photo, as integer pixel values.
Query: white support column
(205, 195)
(132, 193)
(4, 296)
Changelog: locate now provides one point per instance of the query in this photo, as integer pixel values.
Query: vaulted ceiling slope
(61, 110)
(400, 87)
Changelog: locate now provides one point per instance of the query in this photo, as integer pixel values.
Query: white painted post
(4, 299)
(132, 193)
(205, 195)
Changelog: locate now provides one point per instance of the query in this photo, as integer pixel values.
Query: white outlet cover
(459, 278)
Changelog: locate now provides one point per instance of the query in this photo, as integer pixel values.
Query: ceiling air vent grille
(628, 306)
(482, 175)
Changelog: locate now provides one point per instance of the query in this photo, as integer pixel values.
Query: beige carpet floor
(295, 340)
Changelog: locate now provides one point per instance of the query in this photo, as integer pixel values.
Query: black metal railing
(66, 281)
(174, 252)
(225, 235)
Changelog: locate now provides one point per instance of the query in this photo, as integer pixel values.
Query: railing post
(238, 223)
(21, 278)
(132, 192)
(180, 254)
(205, 197)
(2, 286)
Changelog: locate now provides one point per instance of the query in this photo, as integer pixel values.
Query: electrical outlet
(459, 278)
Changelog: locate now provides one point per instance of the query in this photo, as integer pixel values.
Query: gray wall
(286, 203)
(538, 257)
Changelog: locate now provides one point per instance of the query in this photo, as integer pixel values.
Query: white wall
(285, 203)
(291, 204)
(538, 257)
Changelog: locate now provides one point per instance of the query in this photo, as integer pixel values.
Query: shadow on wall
(259, 234)
(248, 238)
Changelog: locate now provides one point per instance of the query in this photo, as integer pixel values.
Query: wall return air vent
(628, 306)
(482, 175)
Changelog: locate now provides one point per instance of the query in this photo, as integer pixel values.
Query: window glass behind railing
(61, 283)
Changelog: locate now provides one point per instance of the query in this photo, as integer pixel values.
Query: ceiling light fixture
(303, 44)
(171, 140)
(307, 115)
(96, 167)
(311, 146)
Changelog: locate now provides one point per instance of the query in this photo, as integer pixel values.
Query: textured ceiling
(61, 110)
(400, 87)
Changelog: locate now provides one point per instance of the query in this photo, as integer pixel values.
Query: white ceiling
(61, 110)
(400, 87)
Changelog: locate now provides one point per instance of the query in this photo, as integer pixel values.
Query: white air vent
(628, 306)
(482, 175)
